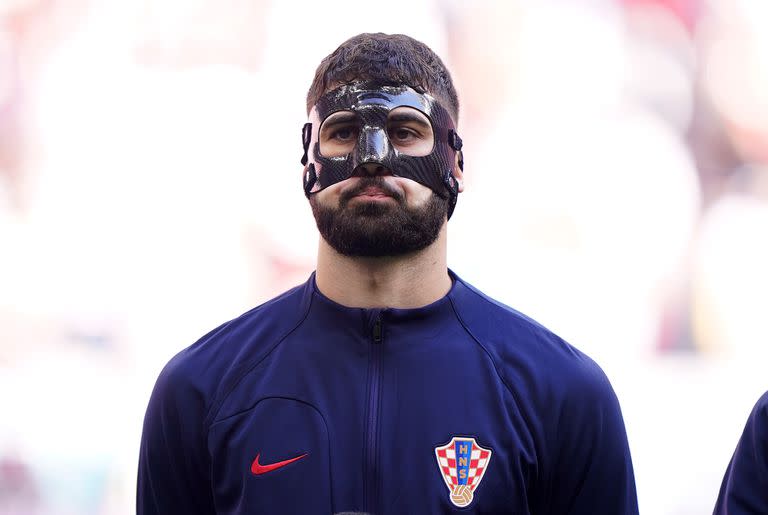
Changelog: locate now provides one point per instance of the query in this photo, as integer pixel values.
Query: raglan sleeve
(591, 471)
(173, 470)
(744, 490)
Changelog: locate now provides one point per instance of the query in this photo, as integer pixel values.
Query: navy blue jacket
(745, 486)
(304, 406)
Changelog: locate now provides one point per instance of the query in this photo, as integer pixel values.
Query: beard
(379, 229)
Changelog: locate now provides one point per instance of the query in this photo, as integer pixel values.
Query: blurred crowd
(617, 191)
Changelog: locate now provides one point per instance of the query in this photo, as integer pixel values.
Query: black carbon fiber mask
(371, 103)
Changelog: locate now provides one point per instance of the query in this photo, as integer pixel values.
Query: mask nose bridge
(373, 144)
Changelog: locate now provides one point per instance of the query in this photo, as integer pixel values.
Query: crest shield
(462, 464)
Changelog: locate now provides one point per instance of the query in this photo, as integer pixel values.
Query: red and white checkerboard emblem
(463, 464)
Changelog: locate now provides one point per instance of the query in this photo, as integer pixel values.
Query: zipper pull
(377, 330)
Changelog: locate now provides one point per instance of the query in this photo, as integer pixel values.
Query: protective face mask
(367, 114)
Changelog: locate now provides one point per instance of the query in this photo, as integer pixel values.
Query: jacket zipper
(372, 438)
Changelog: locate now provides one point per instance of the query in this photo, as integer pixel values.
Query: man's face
(373, 213)
(377, 210)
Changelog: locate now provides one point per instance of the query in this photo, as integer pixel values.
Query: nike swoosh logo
(258, 469)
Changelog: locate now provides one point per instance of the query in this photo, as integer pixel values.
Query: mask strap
(454, 192)
(452, 186)
(310, 178)
(454, 140)
(448, 179)
(306, 137)
(456, 144)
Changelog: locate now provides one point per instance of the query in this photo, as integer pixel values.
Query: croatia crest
(463, 464)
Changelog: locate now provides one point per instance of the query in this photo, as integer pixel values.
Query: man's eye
(343, 134)
(402, 134)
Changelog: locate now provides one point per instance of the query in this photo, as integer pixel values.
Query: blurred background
(150, 189)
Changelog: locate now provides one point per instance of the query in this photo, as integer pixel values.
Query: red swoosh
(259, 469)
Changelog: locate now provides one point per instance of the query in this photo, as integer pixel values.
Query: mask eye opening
(338, 133)
(410, 131)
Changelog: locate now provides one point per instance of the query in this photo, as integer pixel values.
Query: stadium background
(617, 191)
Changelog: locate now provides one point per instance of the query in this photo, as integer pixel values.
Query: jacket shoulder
(566, 401)
(518, 344)
(761, 408)
(212, 366)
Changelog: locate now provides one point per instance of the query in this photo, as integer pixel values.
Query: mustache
(370, 182)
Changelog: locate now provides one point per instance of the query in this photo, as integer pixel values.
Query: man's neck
(410, 281)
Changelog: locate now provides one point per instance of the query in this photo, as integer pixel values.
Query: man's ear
(458, 173)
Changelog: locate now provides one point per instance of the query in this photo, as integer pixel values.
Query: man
(745, 486)
(384, 384)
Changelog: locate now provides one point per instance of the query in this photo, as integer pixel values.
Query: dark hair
(388, 58)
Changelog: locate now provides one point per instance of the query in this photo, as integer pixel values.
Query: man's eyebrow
(339, 118)
(407, 116)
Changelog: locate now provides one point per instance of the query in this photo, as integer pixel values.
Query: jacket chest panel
(286, 456)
